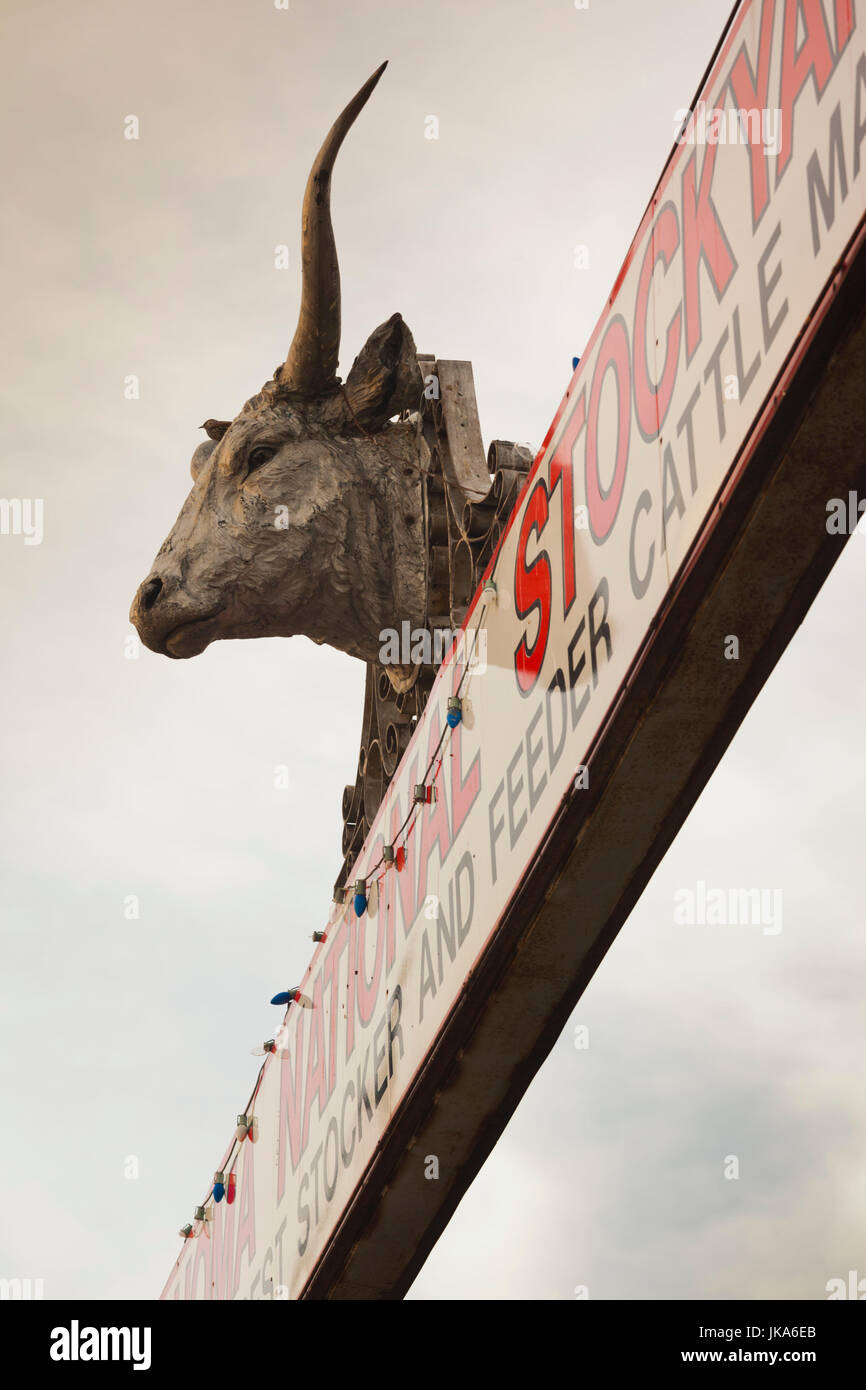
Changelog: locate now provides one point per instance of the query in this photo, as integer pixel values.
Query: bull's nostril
(150, 592)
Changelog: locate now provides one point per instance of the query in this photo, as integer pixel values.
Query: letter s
(532, 590)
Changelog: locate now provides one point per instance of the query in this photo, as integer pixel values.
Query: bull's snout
(148, 593)
(150, 618)
(168, 622)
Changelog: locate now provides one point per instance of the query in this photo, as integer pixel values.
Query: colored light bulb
(360, 897)
(231, 1188)
(286, 996)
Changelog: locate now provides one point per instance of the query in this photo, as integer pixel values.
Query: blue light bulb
(360, 897)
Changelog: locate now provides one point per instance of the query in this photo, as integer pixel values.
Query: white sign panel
(762, 193)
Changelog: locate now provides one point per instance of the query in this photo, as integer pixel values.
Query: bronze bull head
(306, 512)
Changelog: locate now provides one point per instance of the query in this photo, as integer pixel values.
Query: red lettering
(815, 57)
(435, 830)
(405, 879)
(202, 1260)
(562, 472)
(331, 975)
(651, 402)
(353, 982)
(532, 590)
(751, 95)
(222, 1238)
(703, 239)
(369, 993)
(463, 789)
(315, 1083)
(388, 901)
(247, 1219)
(844, 15)
(290, 1107)
(613, 354)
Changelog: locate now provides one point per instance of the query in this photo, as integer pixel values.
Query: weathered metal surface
(306, 510)
(463, 460)
(467, 501)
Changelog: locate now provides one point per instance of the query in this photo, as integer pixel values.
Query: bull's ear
(201, 456)
(385, 376)
(214, 429)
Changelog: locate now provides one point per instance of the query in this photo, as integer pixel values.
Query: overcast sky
(129, 1039)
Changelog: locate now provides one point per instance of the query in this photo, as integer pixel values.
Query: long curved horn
(311, 365)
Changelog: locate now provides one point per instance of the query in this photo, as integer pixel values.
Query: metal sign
(761, 195)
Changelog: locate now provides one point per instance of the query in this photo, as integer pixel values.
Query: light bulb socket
(320, 936)
(388, 854)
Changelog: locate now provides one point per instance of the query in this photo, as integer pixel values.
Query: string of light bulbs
(453, 719)
(224, 1185)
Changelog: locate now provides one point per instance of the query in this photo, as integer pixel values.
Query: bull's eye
(260, 456)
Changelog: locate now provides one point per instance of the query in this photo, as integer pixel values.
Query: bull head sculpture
(318, 511)
(305, 515)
